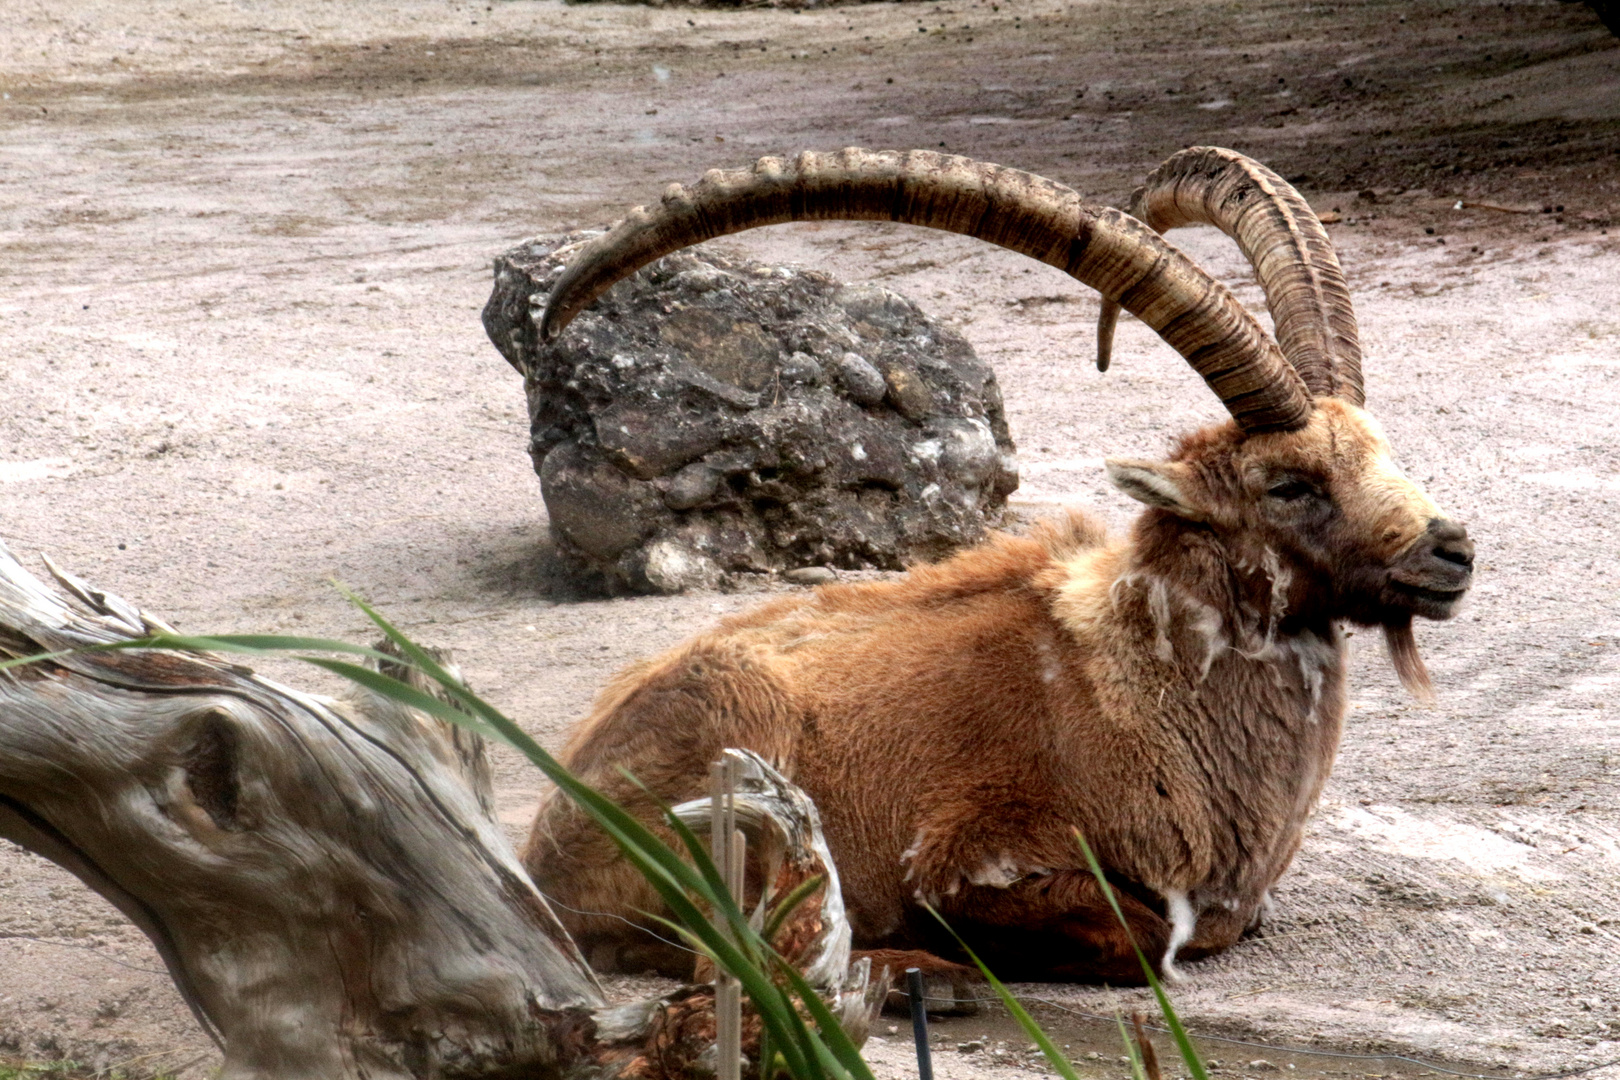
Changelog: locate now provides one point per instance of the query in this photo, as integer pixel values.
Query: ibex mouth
(1428, 601)
(1435, 572)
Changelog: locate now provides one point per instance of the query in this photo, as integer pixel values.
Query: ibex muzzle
(1436, 571)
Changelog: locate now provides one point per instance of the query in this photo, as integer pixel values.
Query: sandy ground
(245, 245)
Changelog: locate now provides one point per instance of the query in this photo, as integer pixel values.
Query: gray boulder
(710, 416)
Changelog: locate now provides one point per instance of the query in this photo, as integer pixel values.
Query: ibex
(1176, 695)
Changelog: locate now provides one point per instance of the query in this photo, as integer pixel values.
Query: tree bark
(324, 878)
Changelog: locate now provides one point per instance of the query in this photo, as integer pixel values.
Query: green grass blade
(789, 903)
(702, 858)
(36, 658)
(594, 802)
(801, 1040)
(1184, 1046)
(1064, 1067)
(249, 644)
(834, 1039)
(388, 686)
(779, 1012)
(672, 877)
(1137, 1071)
(767, 1055)
(696, 928)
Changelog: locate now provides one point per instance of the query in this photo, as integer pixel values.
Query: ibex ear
(1162, 484)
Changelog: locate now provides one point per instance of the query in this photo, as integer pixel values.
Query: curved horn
(1284, 242)
(1108, 250)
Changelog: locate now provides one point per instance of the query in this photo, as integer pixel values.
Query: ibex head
(1301, 480)
(1359, 540)
(1325, 512)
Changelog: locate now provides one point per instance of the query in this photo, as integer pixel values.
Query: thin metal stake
(919, 1023)
(726, 849)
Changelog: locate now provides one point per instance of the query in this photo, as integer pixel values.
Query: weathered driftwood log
(329, 892)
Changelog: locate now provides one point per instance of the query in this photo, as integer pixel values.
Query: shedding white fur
(1206, 623)
(999, 873)
(911, 853)
(1316, 657)
(1051, 669)
(1159, 606)
(1281, 578)
(1183, 920)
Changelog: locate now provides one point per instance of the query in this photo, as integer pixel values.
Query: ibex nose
(1450, 542)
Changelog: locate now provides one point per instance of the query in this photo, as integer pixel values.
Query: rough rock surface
(711, 416)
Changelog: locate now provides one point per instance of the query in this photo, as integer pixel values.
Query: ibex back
(1176, 695)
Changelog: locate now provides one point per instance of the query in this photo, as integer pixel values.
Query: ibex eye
(1289, 490)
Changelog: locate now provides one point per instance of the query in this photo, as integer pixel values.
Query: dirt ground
(245, 243)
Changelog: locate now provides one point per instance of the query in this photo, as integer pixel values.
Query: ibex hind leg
(662, 724)
(598, 895)
(1059, 928)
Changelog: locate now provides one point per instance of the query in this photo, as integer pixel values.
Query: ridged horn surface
(1284, 242)
(1106, 249)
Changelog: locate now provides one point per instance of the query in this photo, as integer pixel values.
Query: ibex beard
(1176, 695)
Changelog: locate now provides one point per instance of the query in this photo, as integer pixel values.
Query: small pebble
(693, 485)
(801, 368)
(861, 381)
(810, 575)
(908, 394)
